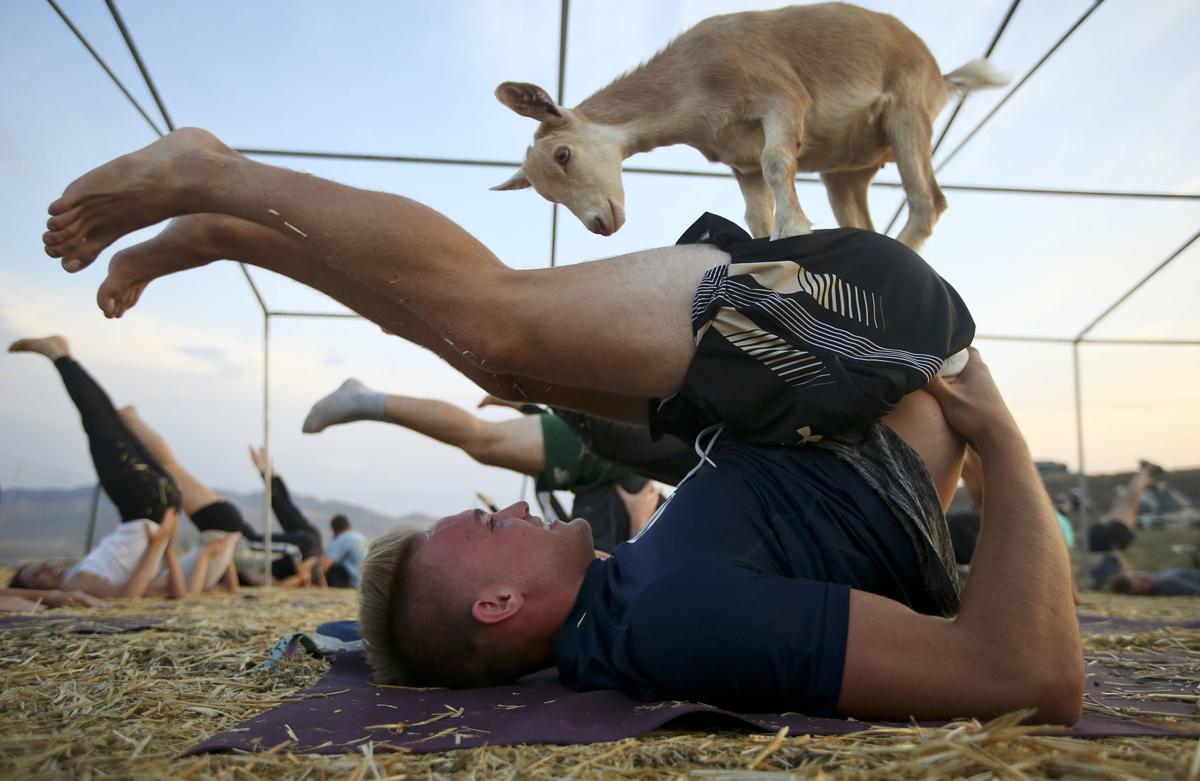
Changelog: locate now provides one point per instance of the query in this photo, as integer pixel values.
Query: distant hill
(52, 523)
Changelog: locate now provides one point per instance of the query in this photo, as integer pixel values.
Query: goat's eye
(562, 155)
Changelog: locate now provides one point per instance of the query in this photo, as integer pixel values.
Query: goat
(831, 88)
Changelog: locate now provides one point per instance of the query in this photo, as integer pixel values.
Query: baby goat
(832, 88)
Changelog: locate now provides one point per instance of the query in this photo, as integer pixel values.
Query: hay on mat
(128, 705)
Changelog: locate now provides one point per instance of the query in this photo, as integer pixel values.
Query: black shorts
(218, 516)
(809, 336)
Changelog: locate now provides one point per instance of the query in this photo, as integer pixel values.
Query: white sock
(351, 401)
(953, 366)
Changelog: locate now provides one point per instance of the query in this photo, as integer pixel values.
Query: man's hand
(640, 505)
(57, 598)
(19, 605)
(214, 546)
(164, 532)
(972, 405)
(495, 401)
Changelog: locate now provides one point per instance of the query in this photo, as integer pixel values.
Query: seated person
(1178, 582)
(342, 562)
(127, 562)
(298, 531)
(539, 444)
(805, 565)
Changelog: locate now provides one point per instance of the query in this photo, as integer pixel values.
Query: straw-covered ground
(127, 705)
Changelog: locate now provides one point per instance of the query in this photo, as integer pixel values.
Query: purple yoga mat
(80, 625)
(1112, 625)
(343, 710)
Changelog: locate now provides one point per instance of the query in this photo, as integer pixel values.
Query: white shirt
(117, 554)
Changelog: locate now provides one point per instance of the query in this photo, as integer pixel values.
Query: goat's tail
(976, 74)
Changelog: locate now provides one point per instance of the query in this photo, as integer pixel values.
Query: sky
(1117, 108)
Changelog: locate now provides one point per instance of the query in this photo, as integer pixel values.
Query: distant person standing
(342, 562)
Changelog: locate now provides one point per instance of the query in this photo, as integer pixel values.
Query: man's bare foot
(53, 347)
(123, 195)
(187, 242)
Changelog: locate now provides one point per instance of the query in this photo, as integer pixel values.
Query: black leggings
(298, 530)
(135, 482)
(666, 460)
(219, 516)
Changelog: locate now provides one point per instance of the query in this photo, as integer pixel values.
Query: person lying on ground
(1177, 582)
(804, 566)
(127, 562)
(1111, 536)
(210, 561)
(342, 562)
(539, 445)
(297, 530)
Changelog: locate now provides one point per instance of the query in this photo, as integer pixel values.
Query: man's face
(511, 545)
(42, 575)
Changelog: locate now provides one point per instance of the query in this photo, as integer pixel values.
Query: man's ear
(496, 604)
(530, 100)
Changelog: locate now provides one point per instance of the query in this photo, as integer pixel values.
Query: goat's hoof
(788, 231)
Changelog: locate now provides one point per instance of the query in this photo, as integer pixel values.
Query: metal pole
(267, 444)
(563, 16)
(1082, 476)
(137, 58)
(91, 532)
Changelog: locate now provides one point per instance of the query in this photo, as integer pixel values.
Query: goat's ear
(517, 181)
(530, 100)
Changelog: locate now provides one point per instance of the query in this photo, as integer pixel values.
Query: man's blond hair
(384, 583)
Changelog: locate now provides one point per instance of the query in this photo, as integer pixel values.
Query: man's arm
(231, 579)
(176, 587)
(1015, 643)
(208, 555)
(151, 560)
(334, 553)
(53, 597)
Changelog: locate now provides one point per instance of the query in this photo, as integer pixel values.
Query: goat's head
(572, 161)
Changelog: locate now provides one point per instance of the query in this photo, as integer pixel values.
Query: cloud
(219, 361)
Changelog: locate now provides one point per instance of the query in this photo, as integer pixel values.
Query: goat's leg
(909, 132)
(760, 202)
(782, 135)
(848, 196)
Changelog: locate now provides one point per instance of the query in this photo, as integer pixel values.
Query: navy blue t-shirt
(738, 594)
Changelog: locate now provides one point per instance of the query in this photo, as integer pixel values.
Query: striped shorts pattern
(809, 336)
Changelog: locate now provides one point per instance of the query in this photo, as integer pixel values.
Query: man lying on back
(805, 565)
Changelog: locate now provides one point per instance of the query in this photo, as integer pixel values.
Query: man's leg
(195, 240)
(919, 422)
(632, 314)
(511, 444)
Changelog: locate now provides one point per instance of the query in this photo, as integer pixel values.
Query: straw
(128, 705)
